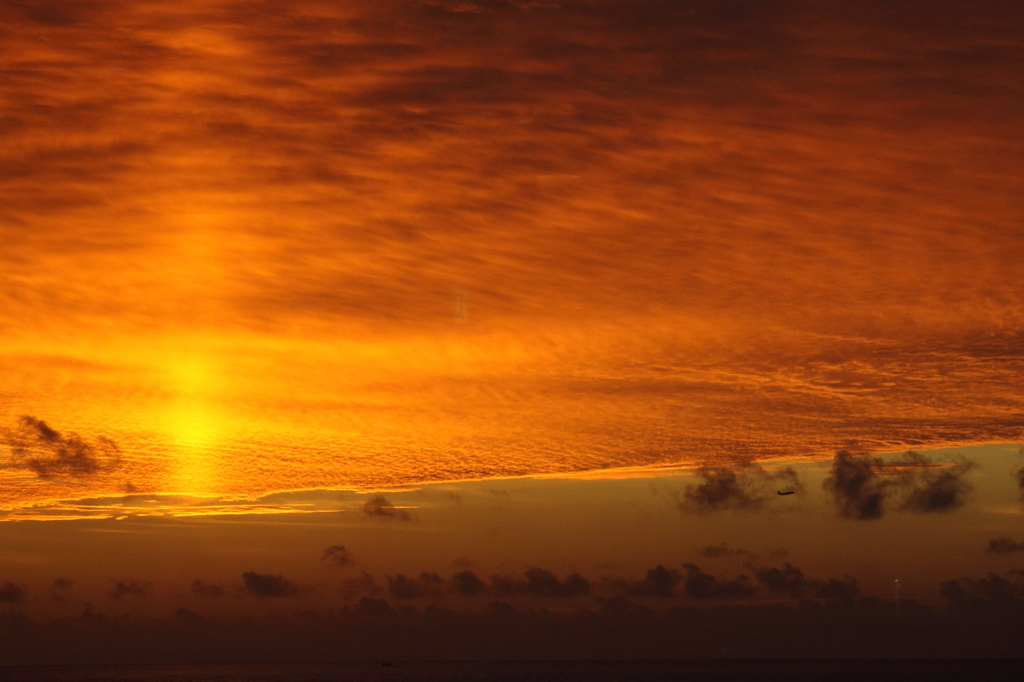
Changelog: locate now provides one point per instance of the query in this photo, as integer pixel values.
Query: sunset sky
(308, 302)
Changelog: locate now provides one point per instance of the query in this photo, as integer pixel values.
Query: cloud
(11, 593)
(722, 550)
(427, 584)
(1004, 545)
(129, 588)
(265, 585)
(863, 485)
(38, 447)
(542, 583)
(659, 582)
(935, 489)
(837, 588)
(186, 615)
(1020, 482)
(855, 484)
(59, 589)
(788, 581)
(468, 584)
(378, 506)
(974, 592)
(373, 607)
(201, 589)
(700, 585)
(363, 584)
(336, 555)
(746, 487)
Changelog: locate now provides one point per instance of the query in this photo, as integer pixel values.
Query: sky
(300, 298)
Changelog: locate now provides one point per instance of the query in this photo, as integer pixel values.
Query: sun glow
(193, 423)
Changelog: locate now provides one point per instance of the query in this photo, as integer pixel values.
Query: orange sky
(333, 245)
(576, 286)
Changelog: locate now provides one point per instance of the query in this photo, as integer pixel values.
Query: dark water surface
(543, 671)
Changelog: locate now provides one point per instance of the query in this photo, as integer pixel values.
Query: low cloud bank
(981, 618)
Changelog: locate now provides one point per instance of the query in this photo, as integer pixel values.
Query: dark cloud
(855, 484)
(788, 581)
(1004, 545)
(932, 489)
(186, 615)
(837, 588)
(621, 605)
(129, 588)
(541, 583)
(862, 486)
(378, 506)
(659, 582)
(700, 585)
(368, 606)
(426, 584)
(265, 585)
(974, 592)
(59, 589)
(37, 446)
(336, 555)
(468, 583)
(11, 593)
(722, 550)
(363, 584)
(747, 487)
(201, 589)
